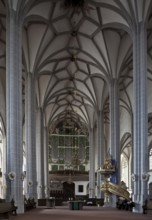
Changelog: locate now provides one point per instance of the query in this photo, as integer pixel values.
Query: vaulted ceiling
(74, 52)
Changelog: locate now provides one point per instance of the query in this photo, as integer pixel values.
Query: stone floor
(87, 213)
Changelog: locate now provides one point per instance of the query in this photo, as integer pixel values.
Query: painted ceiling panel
(91, 49)
(91, 88)
(95, 70)
(62, 25)
(86, 58)
(126, 6)
(88, 28)
(80, 75)
(61, 64)
(51, 84)
(98, 85)
(125, 45)
(112, 42)
(58, 111)
(41, 9)
(35, 34)
(81, 87)
(25, 50)
(61, 55)
(92, 13)
(63, 74)
(49, 67)
(83, 115)
(59, 86)
(73, 46)
(113, 18)
(52, 101)
(43, 82)
(109, 2)
(48, 111)
(58, 11)
(100, 41)
(47, 38)
(72, 67)
(57, 44)
(90, 113)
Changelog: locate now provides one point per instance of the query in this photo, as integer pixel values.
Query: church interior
(76, 102)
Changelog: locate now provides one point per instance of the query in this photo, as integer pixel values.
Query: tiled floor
(88, 213)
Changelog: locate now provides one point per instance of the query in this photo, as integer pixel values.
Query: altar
(76, 205)
(50, 202)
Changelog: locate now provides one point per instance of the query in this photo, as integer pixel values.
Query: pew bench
(147, 206)
(29, 204)
(125, 204)
(5, 210)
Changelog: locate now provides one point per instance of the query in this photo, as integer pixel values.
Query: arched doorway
(68, 191)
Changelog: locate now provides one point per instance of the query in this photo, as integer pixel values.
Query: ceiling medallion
(74, 33)
(73, 58)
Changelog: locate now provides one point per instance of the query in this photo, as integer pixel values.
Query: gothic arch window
(2, 154)
(124, 169)
(150, 159)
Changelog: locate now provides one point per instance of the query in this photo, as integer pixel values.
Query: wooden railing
(115, 189)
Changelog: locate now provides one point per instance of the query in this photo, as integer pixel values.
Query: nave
(87, 213)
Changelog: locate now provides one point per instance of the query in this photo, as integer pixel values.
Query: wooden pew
(147, 206)
(29, 204)
(5, 210)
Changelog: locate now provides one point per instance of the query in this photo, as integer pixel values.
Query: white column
(31, 183)
(115, 129)
(14, 108)
(100, 157)
(92, 166)
(114, 135)
(40, 154)
(140, 130)
(46, 164)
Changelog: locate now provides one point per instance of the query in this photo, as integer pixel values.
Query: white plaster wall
(150, 177)
(84, 183)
